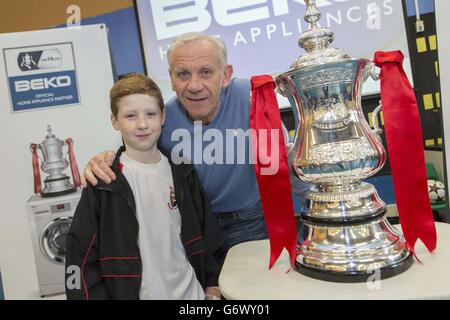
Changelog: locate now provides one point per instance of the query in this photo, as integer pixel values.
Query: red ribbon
(36, 172)
(274, 187)
(73, 165)
(406, 152)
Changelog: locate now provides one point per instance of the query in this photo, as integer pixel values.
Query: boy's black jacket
(102, 243)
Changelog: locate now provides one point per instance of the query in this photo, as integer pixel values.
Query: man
(208, 100)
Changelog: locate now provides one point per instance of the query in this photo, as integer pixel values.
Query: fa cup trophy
(346, 236)
(54, 163)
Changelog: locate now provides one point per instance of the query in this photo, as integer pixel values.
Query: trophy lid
(50, 134)
(50, 138)
(316, 41)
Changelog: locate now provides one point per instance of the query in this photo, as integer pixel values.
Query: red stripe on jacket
(82, 266)
(118, 258)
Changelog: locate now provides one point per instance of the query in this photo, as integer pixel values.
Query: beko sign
(172, 18)
(41, 76)
(42, 83)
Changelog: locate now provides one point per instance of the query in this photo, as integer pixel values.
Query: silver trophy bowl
(346, 236)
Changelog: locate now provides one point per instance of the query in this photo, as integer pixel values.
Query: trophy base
(352, 252)
(353, 276)
(58, 186)
(57, 193)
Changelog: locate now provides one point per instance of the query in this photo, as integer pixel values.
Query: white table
(245, 275)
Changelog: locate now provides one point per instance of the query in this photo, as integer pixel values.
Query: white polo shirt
(166, 271)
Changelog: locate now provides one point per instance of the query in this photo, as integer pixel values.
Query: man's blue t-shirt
(220, 151)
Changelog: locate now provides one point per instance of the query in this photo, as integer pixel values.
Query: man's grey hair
(195, 36)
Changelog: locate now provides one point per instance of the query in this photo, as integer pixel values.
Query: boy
(150, 234)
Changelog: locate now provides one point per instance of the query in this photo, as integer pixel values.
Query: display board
(58, 77)
(443, 35)
(261, 35)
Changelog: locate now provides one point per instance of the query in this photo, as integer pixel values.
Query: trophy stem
(348, 187)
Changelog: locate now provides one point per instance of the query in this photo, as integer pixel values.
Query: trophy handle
(66, 154)
(36, 172)
(286, 87)
(73, 164)
(377, 131)
(287, 141)
(38, 154)
(373, 71)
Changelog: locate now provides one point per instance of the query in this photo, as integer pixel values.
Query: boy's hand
(213, 293)
(99, 166)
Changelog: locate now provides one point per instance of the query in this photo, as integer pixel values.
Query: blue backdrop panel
(123, 35)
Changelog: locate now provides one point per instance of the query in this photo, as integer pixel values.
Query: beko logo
(42, 83)
(170, 19)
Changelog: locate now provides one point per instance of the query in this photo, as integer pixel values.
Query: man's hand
(99, 166)
(213, 293)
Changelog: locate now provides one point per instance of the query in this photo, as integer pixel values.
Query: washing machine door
(53, 239)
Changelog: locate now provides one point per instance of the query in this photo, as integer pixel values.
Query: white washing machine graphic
(50, 220)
